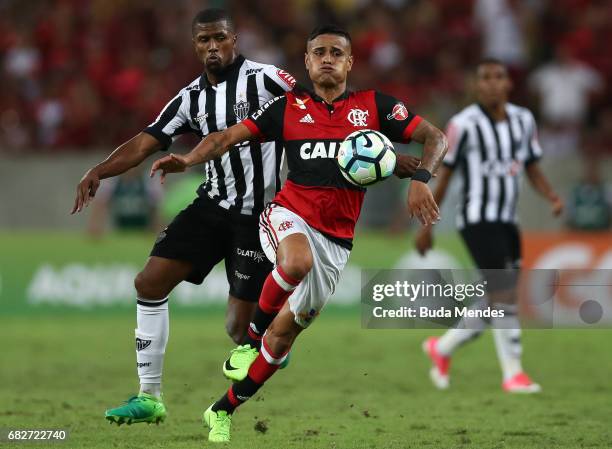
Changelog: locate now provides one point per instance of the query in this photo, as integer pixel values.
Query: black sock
(258, 326)
(242, 391)
(224, 404)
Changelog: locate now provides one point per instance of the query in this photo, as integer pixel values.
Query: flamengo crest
(358, 117)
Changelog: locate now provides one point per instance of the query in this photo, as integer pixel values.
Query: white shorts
(329, 259)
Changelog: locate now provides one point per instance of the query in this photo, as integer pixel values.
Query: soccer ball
(366, 157)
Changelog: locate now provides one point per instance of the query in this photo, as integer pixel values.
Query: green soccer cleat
(219, 423)
(237, 366)
(141, 408)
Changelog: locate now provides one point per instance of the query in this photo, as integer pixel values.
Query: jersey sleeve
(456, 134)
(267, 122)
(396, 121)
(277, 81)
(534, 149)
(172, 121)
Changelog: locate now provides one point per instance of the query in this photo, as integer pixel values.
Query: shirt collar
(230, 70)
(315, 97)
(489, 117)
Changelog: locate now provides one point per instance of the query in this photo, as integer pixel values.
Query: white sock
(151, 340)
(466, 329)
(507, 335)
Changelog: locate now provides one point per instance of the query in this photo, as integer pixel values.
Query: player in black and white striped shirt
(241, 182)
(222, 222)
(491, 144)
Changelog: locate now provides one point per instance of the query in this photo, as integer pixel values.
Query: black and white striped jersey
(243, 180)
(490, 158)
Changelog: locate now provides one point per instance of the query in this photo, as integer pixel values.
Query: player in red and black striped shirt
(308, 228)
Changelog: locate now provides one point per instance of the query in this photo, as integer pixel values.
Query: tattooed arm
(421, 203)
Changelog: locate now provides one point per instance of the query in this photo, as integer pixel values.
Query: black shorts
(496, 250)
(205, 234)
(493, 245)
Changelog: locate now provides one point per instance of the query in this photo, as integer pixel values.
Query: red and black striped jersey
(311, 131)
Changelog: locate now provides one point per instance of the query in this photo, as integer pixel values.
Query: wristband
(421, 175)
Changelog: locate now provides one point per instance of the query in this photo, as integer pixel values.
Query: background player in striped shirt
(491, 144)
(308, 228)
(222, 222)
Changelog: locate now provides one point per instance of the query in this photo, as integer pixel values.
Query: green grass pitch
(345, 388)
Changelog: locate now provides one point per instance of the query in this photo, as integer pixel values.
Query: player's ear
(350, 62)
(307, 61)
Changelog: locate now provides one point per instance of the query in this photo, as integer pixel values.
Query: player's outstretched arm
(211, 147)
(421, 203)
(540, 183)
(126, 156)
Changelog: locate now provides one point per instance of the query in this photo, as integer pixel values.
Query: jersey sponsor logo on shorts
(398, 113)
(257, 256)
(286, 77)
(142, 344)
(242, 398)
(241, 109)
(358, 117)
(320, 150)
(142, 364)
(308, 317)
(285, 226)
(239, 275)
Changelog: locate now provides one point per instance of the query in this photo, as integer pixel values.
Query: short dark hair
(330, 29)
(490, 60)
(212, 15)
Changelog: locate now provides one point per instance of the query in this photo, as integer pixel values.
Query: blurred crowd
(80, 74)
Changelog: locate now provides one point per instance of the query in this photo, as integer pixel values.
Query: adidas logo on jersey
(307, 119)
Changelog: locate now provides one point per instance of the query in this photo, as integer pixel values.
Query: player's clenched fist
(405, 166)
(421, 203)
(173, 163)
(86, 190)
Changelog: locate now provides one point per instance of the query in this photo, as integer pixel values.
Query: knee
(235, 329)
(147, 288)
(297, 264)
